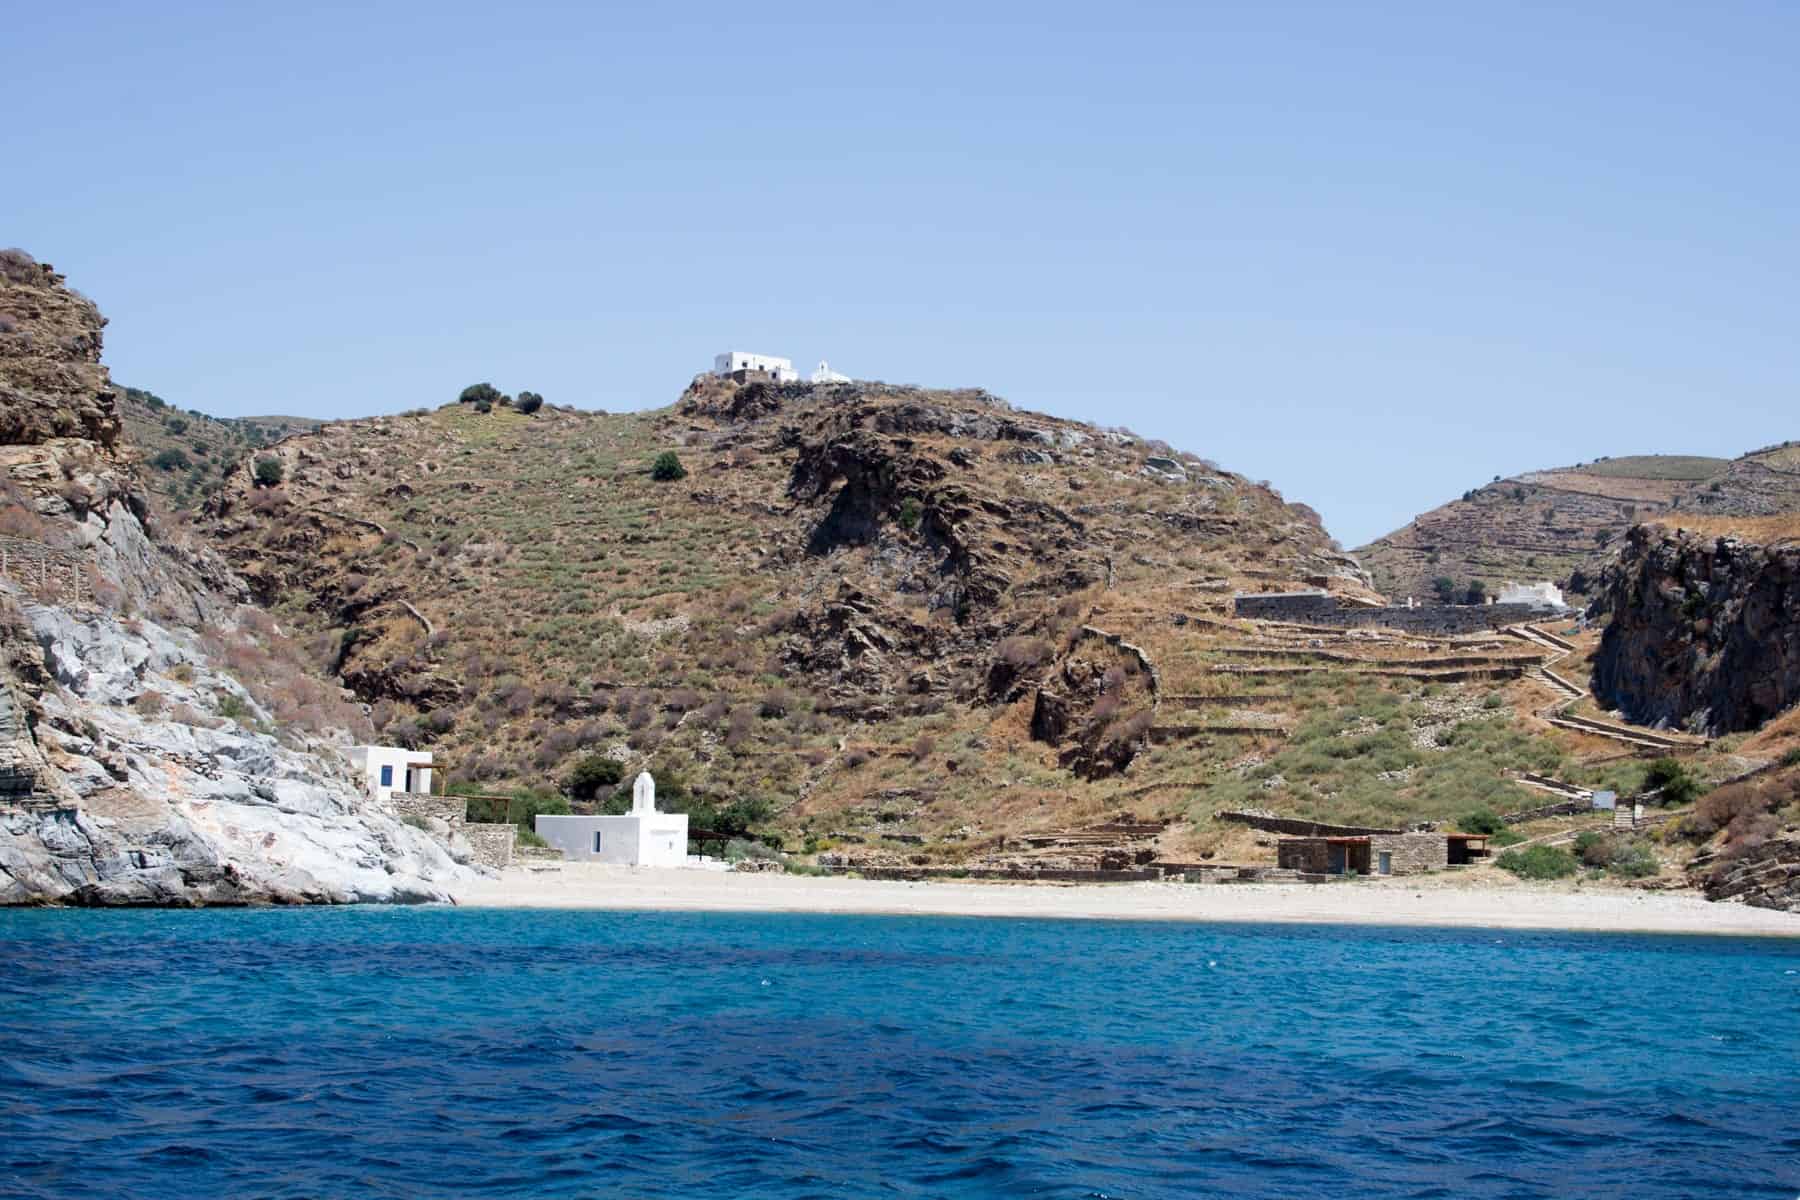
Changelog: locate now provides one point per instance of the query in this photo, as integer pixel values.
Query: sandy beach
(1459, 901)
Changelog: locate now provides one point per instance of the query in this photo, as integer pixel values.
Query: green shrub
(1538, 862)
(667, 467)
(1482, 820)
(1791, 758)
(1633, 861)
(171, 459)
(232, 707)
(593, 775)
(910, 511)
(528, 403)
(1678, 785)
(269, 472)
(1506, 837)
(476, 393)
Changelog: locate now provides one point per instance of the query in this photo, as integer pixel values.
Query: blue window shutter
(387, 776)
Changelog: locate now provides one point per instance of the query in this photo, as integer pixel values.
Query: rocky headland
(137, 764)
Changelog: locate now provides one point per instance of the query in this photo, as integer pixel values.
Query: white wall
(408, 770)
(741, 360)
(656, 840)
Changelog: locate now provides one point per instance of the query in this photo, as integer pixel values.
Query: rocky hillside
(1704, 630)
(862, 603)
(1562, 524)
(158, 741)
(183, 454)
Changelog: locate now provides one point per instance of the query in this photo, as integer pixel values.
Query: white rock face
(174, 813)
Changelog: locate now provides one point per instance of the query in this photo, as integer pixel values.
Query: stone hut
(1379, 853)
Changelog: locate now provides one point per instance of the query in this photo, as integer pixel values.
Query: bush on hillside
(910, 512)
(269, 472)
(1677, 784)
(171, 459)
(476, 393)
(1538, 862)
(528, 402)
(1482, 820)
(667, 467)
(593, 775)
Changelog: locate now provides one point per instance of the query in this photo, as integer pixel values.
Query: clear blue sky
(1375, 253)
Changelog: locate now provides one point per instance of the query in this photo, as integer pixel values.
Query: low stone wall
(493, 844)
(1049, 875)
(1563, 808)
(1295, 827)
(1308, 855)
(1322, 608)
(452, 810)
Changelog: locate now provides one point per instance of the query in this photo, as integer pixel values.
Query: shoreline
(1423, 902)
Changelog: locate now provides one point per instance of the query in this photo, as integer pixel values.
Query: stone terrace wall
(1320, 608)
(1295, 826)
(493, 844)
(449, 809)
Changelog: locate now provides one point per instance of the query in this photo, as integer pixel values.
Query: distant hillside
(1562, 524)
(186, 454)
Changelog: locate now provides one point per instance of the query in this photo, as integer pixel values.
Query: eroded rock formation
(1704, 631)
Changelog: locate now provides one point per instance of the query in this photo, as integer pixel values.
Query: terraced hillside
(918, 624)
(1562, 524)
(185, 454)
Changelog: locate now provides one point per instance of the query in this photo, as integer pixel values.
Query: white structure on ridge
(733, 361)
(1542, 595)
(390, 769)
(826, 375)
(642, 837)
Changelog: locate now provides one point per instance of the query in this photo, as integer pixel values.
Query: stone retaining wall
(1322, 608)
(493, 844)
(452, 810)
(1296, 827)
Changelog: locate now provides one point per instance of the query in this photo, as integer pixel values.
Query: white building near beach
(826, 375)
(733, 361)
(642, 837)
(390, 769)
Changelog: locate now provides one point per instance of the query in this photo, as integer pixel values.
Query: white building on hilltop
(390, 769)
(826, 375)
(642, 837)
(1542, 595)
(733, 361)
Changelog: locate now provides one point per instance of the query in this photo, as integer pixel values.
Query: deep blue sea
(424, 1052)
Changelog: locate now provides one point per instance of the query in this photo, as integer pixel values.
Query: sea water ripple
(402, 1053)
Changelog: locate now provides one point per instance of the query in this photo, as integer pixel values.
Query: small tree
(528, 402)
(1445, 587)
(910, 511)
(593, 775)
(1477, 592)
(484, 405)
(667, 467)
(477, 392)
(269, 472)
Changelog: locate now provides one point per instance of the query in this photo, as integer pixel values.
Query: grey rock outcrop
(1704, 631)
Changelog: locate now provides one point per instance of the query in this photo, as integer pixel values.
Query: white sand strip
(1485, 899)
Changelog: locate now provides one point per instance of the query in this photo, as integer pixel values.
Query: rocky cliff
(136, 766)
(1704, 630)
